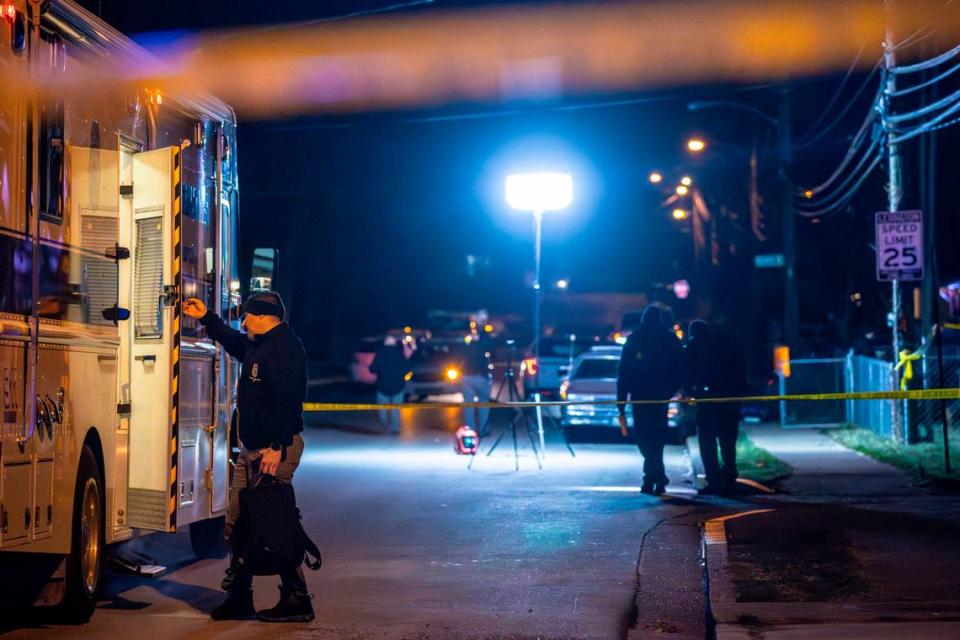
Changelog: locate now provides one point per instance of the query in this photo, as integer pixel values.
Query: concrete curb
(733, 620)
(722, 607)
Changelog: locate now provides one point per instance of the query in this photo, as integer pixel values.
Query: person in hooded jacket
(715, 368)
(270, 393)
(391, 367)
(650, 369)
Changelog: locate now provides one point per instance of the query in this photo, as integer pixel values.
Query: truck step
(131, 563)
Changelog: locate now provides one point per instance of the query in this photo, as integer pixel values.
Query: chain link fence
(813, 375)
(856, 373)
(926, 418)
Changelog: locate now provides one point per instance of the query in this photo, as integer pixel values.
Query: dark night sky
(375, 213)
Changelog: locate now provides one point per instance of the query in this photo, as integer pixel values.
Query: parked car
(593, 378)
(557, 355)
(367, 349)
(435, 368)
(362, 359)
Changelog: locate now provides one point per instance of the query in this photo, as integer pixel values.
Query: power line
(858, 140)
(923, 111)
(843, 113)
(926, 127)
(836, 95)
(847, 196)
(871, 152)
(927, 64)
(924, 85)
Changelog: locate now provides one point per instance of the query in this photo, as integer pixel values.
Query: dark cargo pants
(651, 431)
(719, 424)
(245, 471)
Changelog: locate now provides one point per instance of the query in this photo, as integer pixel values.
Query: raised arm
(232, 340)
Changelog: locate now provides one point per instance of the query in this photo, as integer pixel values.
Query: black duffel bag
(268, 534)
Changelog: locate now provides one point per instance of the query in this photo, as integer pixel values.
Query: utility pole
(791, 303)
(894, 196)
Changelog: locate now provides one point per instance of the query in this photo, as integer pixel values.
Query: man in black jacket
(715, 368)
(270, 395)
(650, 369)
(391, 367)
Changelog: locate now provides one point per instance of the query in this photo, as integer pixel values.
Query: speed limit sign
(899, 245)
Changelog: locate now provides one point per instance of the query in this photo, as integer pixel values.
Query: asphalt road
(417, 546)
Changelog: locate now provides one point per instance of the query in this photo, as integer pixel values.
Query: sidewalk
(823, 468)
(848, 549)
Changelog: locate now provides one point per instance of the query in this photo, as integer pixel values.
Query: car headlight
(452, 373)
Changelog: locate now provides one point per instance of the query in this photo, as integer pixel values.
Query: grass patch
(759, 464)
(923, 462)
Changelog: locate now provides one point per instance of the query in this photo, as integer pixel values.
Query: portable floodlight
(466, 441)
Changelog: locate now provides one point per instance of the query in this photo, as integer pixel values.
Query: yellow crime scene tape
(918, 394)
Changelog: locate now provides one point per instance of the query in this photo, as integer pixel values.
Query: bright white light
(562, 284)
(656, 177)
(686, 181)
(539, 191)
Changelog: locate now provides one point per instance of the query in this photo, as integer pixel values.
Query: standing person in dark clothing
(650, 369)
(715, 368)
(391, 368)
(270, 393)
(475, 383)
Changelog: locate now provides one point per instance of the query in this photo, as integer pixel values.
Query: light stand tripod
(520, 417)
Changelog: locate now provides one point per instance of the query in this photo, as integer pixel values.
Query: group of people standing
(654, 367)
(392, 366)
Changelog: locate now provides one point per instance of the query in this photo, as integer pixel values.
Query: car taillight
(530, 366)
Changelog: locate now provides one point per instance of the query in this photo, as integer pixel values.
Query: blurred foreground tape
(918, 394)
(523, 53)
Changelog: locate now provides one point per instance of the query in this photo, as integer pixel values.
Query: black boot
(234, 574)
(237, 606)
(292, 607)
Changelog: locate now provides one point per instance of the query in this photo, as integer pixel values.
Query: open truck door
(170, 382)
(150, 284)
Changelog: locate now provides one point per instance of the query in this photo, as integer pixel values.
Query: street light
(656, 177)
(537, 193)
(696, 145)
(680, 214)
(686, 181)
(682, 189)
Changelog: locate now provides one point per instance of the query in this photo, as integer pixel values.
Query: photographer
(476, 383)
(270, 395)
(391, 366)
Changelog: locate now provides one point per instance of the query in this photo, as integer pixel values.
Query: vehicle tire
(206, 538)
(84, 570)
